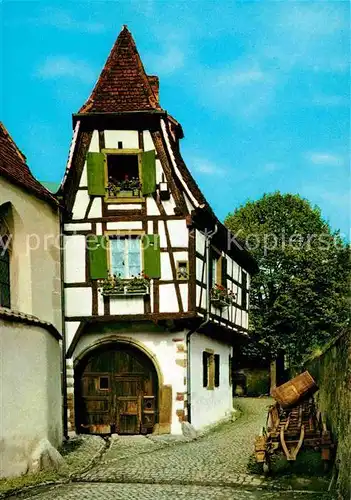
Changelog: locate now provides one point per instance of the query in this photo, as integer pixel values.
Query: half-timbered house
(156, 288)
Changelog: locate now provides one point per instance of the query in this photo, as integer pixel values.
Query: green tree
(299, 297)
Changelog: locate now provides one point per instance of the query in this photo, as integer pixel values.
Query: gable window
(125, 256)
(4, 273)
(123, 176)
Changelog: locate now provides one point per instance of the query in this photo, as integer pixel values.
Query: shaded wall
(30, 393)
(332, 371)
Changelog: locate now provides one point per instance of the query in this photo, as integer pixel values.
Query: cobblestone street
(213, 466)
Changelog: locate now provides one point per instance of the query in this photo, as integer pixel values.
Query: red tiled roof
(123, 84)
(13, 166)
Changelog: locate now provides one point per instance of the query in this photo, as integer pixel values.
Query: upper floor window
(4, 272)
(125, 256)
(123, 174)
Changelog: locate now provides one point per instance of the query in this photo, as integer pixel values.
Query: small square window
(182, 270)
(103, 383)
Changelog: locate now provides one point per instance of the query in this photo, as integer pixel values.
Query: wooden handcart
(293, 423)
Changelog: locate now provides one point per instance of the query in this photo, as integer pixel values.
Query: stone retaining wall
(332, 371)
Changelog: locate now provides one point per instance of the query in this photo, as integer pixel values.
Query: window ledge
(126, 291)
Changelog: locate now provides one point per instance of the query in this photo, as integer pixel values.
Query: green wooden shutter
(148, 171)
(96, 173)
(97, 252)
(152, 257)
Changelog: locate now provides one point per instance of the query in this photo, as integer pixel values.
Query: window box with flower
(221, 296)
(114, 285)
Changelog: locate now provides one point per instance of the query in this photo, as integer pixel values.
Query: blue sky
(261, 88)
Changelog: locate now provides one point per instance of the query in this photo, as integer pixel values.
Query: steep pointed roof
(123, 84)
(13, 166)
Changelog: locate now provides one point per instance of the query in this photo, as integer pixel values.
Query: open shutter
(224, 271)
(97, 252)
(148, 171)
(96, 173)
(152, 258)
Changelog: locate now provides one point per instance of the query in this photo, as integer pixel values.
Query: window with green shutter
(96, 174)
(97, 254)
(152, 256)
(148, 171)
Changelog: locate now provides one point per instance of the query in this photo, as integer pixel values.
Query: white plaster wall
(94, 143)
(183, 288)
(148, 142)
(78, 301)
(150, 227)
(124, 206)
(35, 256)
(84, 177)
(98, 228)
(181, 256)
(151, 207)
(162, 233)
(199, 267)
(80, 204)
(71, 329)
(189, 205)
(208, 406)
(178, 233)
(159, 172)
(168, 299)
(169, 205)
(127, 225)
(203, 298)
(166, 270)
(74, 261)
(200, 242)
(129, 138)
(95, 209)
(126, 305)
(30, 394)
(159, 345)
(78, 226)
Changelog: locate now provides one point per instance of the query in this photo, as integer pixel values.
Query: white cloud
(271, 167)
(238, 77)
(324, 158)
(170, 61)
(63, 20)
(331, 100)
(65, 67)
(206, 167)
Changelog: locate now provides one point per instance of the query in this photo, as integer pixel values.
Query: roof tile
(13, 166)
(123, 84)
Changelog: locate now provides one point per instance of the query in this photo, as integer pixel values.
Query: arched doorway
(116, 387)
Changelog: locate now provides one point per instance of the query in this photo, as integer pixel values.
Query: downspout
(63, 313)
(208, 237)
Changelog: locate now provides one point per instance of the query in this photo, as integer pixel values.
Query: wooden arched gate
(116, 391)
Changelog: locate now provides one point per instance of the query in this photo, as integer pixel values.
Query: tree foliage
(299, 297)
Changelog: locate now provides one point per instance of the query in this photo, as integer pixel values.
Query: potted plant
(138, 285)
(112, 285)
(128, 186)
(221, 296)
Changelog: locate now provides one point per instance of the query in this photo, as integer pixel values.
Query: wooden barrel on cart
(290, 393)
